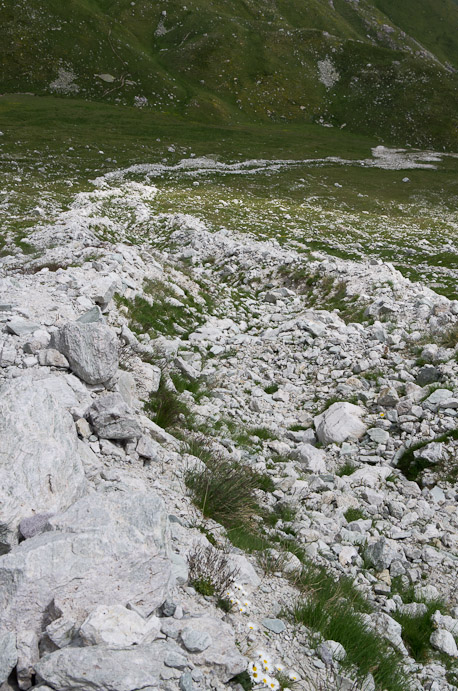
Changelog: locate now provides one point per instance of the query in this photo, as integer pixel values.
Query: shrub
(210, 572)
(271, 388)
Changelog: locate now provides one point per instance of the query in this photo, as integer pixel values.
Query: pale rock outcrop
(104, 550)
(40, 464)
(103, 668)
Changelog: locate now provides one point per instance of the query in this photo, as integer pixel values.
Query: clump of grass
(417, 630)
(352, 514)
(224, 491)
(166, 409)
(244, 680)
(348, 468)
(262, 433)
(271, 388)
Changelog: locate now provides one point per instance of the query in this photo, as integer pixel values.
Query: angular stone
(310, 458)
(186, 369)
(8, 654)
(222, 654)
(62, 631)
(274, 625)
(52, 358)
(340, 422)
(27, 656)
(20, 326)
(40, 465)
(428, 374)
(92, 316)
(443, 641)
(111, 418)
(434, 452)
(104, 550)
(117, 626)
(388, 397)
(91, 349)
(195, 641)
(33, 525)
(437, 399)
(377, 435)
(147, 448)
(381, 554)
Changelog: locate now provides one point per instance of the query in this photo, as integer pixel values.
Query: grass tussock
(166, 409)
(334, 609)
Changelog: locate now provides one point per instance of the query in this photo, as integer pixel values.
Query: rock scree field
(228, 346)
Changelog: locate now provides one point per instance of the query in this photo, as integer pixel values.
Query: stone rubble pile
(96, 523)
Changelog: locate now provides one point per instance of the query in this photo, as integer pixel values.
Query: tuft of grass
(352, 514)
(348, 468)
(224, 491)
(262, 433)
(416, 631)
(271, 388)
(166, 409)
(449, 338)
(412, 467)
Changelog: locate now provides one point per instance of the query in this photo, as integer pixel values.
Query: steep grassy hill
(383, 68)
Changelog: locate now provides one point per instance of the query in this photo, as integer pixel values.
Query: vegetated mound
(374, 67)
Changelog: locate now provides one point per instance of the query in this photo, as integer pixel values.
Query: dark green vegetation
(334, 609)
(241, 61)
(412, 466)
(52, 148)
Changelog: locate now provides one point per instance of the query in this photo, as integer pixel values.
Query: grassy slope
(238, 61)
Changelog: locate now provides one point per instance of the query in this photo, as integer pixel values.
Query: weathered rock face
(102, 668)
(91, 349)
(8, 655)
(117, 626)
(310, 458)
(105, 549)
(112, 418)
(40, 465)
(340, 422)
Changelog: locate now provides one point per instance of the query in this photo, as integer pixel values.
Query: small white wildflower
(273, 684)
(252, 626)
(279, 668)
(293, 676)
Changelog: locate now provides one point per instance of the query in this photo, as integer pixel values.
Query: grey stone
(168, 609)
(434, 452)
(117, 626)
(185, 368)
(91, 349)
(62, 631)
(388, 397)
(222, 654)
(274, 625)
(310, 458)
(175, 660)
(27, 656)
(195, 641)
(102, 668)
(92, 316)
(40, 465)
(147, 448)
(104, 550)
(381, 554)
(19, 326)
(437, 399)
(329, 651)
(186, 683)
(428, 374)
(8, 654)
(111, 418)
(377, 435)
(33, 525)
(52, 358)
(103, 289)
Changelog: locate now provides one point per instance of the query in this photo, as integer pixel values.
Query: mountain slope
(371, 66)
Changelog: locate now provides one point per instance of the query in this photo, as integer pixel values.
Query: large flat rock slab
(40, 465)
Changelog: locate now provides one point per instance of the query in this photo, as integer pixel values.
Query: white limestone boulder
(91, 349)
(339, 423)
(41, 470)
